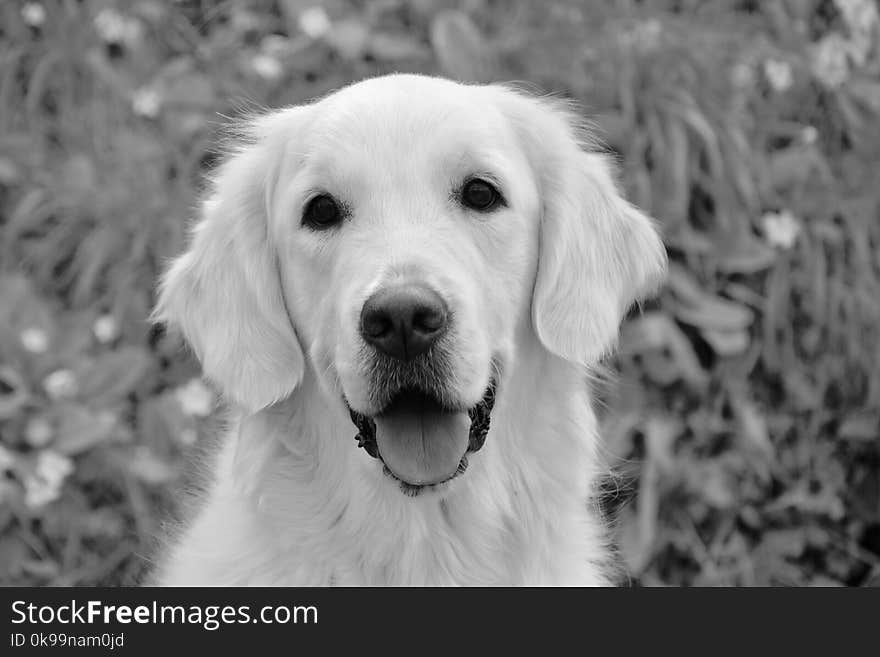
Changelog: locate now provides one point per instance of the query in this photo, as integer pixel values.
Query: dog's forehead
(403, 112)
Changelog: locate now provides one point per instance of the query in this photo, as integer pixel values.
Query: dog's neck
(524, 494)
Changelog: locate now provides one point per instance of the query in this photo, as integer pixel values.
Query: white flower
(38, 432)
(44, 485)
(778, 74)
(35, 340)
(195, 398)
(859, 15)
(809, 134)
(114, 27)
(37, 493)
(33, 13)
(267, 67)
(314, 22)
(60, 384)
(53, 467)
(146, 102)
(830, 63)
(7, 459)
(781, 229)
(105, 329)
(861, 18)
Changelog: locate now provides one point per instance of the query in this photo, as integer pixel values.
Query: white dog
(400, 266)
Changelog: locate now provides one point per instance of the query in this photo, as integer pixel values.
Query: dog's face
(407, 234)
(401, 235)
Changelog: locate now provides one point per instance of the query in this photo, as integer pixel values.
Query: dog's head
(398, 237)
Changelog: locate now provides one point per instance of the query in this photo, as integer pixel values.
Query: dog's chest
(441, 545)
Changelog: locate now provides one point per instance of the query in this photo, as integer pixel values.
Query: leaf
(149, 468)
(864, 426)
(661, 431)
(114, 375)
(747, 257)
(41, 569)
(291, 10)
(796, 165)
(397, 47)
(698, 308)
(349, 38)
(688, 110)
(667, 354)
(867, 91)
(9, 172)
(80, 429)
(825, 501)
(78, 175)
(162, 423)
(639, 533)
(784, 542)
(676, 194)
(726, 343)
(140, 147)
(13, 392)
(73, 336)
(104, 522)
(683, 237)
(460, 47)
(13, 553)
(752, 424)
(182, 86)
(712, 484)
(802, 392)
(656, 366)
(714, 313)
(22, 307)
(618, 427)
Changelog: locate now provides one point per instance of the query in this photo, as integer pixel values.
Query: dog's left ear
(224, 292)
(598, 254)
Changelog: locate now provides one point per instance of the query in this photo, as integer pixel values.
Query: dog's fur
(537, 290)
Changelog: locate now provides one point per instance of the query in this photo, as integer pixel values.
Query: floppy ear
(225, 291)
(598, 254)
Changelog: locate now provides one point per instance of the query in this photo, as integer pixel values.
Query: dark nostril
(428, 319)
(375, 323)
(403, 321)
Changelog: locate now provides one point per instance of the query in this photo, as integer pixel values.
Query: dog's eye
(322, 212)
(478, 194)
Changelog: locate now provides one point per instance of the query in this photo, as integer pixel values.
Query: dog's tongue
(420, 442)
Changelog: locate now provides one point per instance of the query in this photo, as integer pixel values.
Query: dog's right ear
(598, 253)
(224, 292)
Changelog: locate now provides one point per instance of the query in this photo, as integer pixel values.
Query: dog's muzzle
(403, 403)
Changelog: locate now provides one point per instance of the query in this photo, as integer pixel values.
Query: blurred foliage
(744, 424)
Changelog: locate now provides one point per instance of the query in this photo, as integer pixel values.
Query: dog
(400, 289)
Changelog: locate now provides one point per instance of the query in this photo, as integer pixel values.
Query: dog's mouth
(420, 442)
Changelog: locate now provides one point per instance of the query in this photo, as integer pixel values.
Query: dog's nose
(403, 321)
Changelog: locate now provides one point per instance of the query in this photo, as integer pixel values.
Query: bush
(744, 421)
